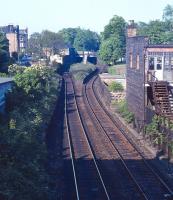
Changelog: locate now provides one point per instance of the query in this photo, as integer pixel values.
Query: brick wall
(135, 75)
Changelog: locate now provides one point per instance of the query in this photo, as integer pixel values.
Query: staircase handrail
(153, 76)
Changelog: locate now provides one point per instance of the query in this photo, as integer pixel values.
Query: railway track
(109, 161)
(88, 179)
(149, 184)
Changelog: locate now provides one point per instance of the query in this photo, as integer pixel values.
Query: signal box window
(159, 63)
(151, 63)
(171, 62)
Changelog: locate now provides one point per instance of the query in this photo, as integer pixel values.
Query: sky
(54, 15)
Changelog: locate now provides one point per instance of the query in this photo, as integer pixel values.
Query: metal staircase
(163, 99)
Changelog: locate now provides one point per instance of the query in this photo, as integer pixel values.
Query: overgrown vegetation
(124, 112)
(29, 106)
(115, 87)
(80, 71)
(158, 130)
(15, 69)
(112, 70)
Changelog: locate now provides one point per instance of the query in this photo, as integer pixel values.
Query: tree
(168, 13)
(4, 53)
(34, 44)
(116, 26)
(86, 40)
(155, 30)
(81, 39)
(52, 40)
(111, 50)
(159, 32)
(113, 40)
(69, 35)
(46, 39)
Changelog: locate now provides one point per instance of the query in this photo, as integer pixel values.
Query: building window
(159, 63)
(151, 63)
(171, 62)
(166, 63)
(137, 61)
(131, 60)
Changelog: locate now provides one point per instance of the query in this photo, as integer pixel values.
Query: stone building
(23, 40)
(18, 38)
(149, 78)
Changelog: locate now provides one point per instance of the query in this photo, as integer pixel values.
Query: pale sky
(54, 15)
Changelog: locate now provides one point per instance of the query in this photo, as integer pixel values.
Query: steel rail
(133, 145)
(90, 148)
(70, 145)
(113, 145)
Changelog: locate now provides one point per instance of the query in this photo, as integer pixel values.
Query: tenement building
(18, 38)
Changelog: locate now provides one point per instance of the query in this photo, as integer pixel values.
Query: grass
(115, 87)
(124, 112)
(116, 69)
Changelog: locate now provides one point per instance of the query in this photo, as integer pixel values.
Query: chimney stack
(131, 29)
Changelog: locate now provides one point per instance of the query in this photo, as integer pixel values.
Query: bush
(15, 69)
(115, 87)
(124, 112)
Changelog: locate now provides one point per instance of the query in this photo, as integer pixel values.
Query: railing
(151, 76)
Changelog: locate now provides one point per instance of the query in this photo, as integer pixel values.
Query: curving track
(105, 163)
(147, 181)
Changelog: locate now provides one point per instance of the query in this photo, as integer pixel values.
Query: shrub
(15, 69)
(115, 87)
(124, 112)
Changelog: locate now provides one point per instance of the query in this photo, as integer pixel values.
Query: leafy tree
(116, 26)
(113, 40)
(81, 39)
(168, 13)
(69, 35)
(4, 52)
(46, 39)
(86, 40)
(52, 40)
(159, 32)
(34, 44)
(111, 50)
(155, 30)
